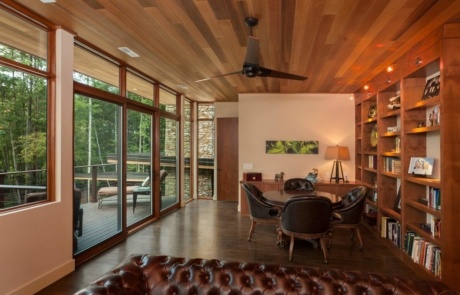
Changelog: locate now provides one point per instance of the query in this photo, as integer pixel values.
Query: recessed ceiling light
(182, 86)
(128, 51)
(48, 1)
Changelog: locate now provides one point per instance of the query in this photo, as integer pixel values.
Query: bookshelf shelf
(423, 104)
(391, 174)
(391, 114)
(425, 208)
(424, 129)
(433, 182)
(391, 134)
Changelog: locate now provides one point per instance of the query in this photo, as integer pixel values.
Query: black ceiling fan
(251, 67)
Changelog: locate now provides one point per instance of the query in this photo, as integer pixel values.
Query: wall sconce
(338, 154)
(418, 62)
(388, 81)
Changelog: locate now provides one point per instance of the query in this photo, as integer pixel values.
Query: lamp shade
(337, 153)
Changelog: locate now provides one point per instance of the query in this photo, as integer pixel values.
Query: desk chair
(348, 213)
(259, 210)
(307, 217)
(299, 184)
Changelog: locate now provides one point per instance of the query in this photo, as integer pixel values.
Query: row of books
(391, 164)
(434, 198)
(391, 229)
(372, 161)
(423, 252)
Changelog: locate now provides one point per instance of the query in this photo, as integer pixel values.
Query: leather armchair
(297, 184)
(259, 210)
(307, 217)
(348, 212)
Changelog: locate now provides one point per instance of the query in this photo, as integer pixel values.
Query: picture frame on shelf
(432, 87)
(421, 166)
(372, 111)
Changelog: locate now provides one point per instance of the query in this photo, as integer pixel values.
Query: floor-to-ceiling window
(188, 144)
(205, 146)
(169, 152)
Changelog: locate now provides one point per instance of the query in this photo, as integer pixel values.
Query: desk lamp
(338, 154)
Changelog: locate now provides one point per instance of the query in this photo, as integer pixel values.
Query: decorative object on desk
(432, 88)
(374, 136)
(312, 175)
(372, 111)
(279, 176)
(397, 206)
(252, 176)
(338, 154)
(421, 166)
(291, 147)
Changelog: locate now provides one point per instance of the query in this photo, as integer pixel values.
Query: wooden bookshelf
(409, 125)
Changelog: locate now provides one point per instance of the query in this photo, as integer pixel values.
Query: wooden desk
(279, 197)
(338, 189)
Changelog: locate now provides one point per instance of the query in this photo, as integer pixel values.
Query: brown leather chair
(307, 217)
(259, 210)
(348, 212)
(299, 184)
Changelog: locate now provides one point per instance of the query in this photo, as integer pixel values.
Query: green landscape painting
(291, 147)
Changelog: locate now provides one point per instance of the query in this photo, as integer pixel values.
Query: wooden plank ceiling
(338, 44)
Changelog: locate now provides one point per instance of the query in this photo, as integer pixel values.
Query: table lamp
(338, 154)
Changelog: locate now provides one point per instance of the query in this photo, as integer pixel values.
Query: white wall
(36, 242)
(328, 118)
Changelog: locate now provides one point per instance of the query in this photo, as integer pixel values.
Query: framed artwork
(432, 88)
(421, 166)
(372, 111)
(291, 147)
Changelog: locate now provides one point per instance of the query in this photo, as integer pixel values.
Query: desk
(279, 197)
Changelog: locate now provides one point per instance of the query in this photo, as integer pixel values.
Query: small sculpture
(279, 176)
(312, 175)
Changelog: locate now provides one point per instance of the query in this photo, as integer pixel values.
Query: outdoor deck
(100, 224)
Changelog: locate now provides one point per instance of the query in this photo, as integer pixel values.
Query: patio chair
(109, 191)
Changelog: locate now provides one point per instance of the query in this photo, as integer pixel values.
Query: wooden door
(227, 159)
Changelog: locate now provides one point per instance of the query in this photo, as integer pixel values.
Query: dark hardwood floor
(210, 229)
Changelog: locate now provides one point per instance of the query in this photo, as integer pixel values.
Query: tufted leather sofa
(147, 274)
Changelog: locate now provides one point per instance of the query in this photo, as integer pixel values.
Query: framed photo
(421, 166)
(372, 111)
(432, 88)
(397, 206)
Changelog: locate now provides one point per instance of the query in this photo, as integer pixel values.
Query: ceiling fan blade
(252, 51)
(264, 72)
(218, 76)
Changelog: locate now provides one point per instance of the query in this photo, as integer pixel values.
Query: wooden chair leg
(251, 230)
(291, 247)
(324, 246)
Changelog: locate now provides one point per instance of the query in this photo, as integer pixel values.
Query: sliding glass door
(139, 178)
(97, 175)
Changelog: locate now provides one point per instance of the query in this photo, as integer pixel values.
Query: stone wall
(206, 135)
